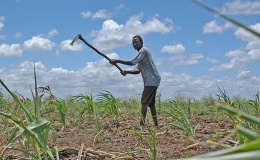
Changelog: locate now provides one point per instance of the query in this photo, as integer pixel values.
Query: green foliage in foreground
(25, 123)
(151, 145)
(34, 132)
(250, 139)
(246, 124)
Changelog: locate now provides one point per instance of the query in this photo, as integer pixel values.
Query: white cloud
(245, 35)
(197, 56)
(30, 65)
(226, 66)
(2, 70)
(65, 46)
(86, 14)
(98, 76)
(204, 85)
(113, 56)
(253, 44)
(238, 60)
(52, 33)
(185, 60)
(254, 55)
(214, 27)
(253, 41)
(239, 56)
(17, 35)
(211, 60)
(60, 70)
(100, 14)
(120, 6)
(235, 53)
(155, 25)
(244, 74)
(174, 49)
(211, 27)
(199, 42)
(242, 7)
(13, 50)
(38, 44)
(256, 79)
(1, 25)
(111, 25)
(2, 18)
(113, 35)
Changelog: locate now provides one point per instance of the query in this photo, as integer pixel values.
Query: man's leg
(148, 97)
(143, 111)
(154, 114)
(153, 110)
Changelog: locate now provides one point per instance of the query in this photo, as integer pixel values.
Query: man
(150, 75)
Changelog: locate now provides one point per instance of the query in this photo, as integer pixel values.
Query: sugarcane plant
(249, 139)
(151, 144)
(108, 102)
(255, 104)
(246, 125)
(62, 106)
(33, 131)
(90, 108)
(180, 116)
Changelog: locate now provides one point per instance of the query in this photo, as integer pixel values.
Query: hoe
(82, 39)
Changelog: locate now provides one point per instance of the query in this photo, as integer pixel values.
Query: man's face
(137, 44)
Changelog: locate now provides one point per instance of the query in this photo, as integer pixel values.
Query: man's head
(137, 42)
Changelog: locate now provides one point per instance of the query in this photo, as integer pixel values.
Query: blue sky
(195, 51)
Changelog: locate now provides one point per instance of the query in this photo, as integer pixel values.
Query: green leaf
(38, 125)
(250, 155)
(18, 135)
(36, 98)
(26, 112)
(249, 134)
(238, 113)
(251, 146)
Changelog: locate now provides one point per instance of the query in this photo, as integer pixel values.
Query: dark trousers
(148, 100)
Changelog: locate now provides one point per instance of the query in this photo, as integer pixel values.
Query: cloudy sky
(195, 51)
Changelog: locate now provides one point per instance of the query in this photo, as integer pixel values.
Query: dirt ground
(171, 143)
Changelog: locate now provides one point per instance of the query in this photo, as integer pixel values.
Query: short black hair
(139, 37)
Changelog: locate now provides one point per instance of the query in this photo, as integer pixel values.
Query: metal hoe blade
(75, 39)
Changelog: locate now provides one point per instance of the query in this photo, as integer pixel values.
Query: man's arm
(134, 71)
(114, 61)
(125, 72)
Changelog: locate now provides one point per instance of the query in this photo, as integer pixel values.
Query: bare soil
(171, 143)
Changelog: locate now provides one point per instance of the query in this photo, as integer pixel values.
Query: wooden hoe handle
(82, 39)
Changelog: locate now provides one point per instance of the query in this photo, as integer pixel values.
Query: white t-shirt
(146, 66)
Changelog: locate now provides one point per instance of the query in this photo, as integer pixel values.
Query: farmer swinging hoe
(82, 39)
